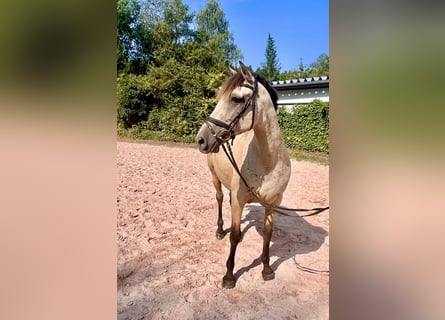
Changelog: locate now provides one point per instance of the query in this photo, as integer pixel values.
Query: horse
(246, 115)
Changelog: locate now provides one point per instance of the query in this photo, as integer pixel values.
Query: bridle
(227, 133)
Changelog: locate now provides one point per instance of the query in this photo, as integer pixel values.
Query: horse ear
(232, 71)
(246, 73)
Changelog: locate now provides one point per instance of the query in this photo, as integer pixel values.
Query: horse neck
(267, 133)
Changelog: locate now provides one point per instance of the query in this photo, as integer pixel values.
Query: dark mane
(237, 79)
(272, 92)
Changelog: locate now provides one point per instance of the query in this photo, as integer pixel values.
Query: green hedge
(172, 99)
(135, 101)
(306, 126)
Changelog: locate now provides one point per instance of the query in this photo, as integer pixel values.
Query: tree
(185, 96)
(316, 69)
(172, 32)
(302, 70)
(151, 12)
(133, 39)
(176, 15)
(271, 68)
(212, 29)
(320, 67)
(186, 62)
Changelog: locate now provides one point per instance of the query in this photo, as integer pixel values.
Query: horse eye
(237, 100)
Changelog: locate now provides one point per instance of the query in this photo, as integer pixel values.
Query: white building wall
(292, 97)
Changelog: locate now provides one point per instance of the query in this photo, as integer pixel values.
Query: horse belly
(275, 182)
(274, 185)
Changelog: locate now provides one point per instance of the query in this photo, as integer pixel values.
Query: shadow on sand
(291, 236)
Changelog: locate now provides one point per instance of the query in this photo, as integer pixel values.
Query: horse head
(234, 112)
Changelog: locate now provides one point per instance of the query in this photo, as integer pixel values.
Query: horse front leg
(268, 273)
(219, 199)
(235, 237)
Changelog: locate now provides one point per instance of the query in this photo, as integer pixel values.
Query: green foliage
(306, 127)
(318, 68)
(185, 97)
(173, 99)
(135, 101)
(185, 69)
(134, 40)
(213, 30)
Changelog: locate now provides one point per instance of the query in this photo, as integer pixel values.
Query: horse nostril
(201, 140)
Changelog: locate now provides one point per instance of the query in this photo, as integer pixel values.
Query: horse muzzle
(206, 147)
(209, 141)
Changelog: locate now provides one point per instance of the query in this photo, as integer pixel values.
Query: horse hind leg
(268, 273)
(219, 198)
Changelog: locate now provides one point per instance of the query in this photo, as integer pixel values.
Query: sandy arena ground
(170, 264)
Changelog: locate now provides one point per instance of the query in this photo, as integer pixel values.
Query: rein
(227, 134)
(277, 209)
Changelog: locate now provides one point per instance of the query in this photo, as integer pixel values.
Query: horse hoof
(220, 235)
(228, 284)
(268, 276)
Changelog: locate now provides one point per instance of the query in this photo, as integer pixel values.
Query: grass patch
(137, 133)
(299, 155)
(158, 142)
(315, 157)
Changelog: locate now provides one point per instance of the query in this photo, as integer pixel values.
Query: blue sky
(300, 28)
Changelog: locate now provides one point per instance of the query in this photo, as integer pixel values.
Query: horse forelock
(237, 80)
(229, 85)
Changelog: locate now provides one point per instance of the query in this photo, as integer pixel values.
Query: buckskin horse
(246, 115)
